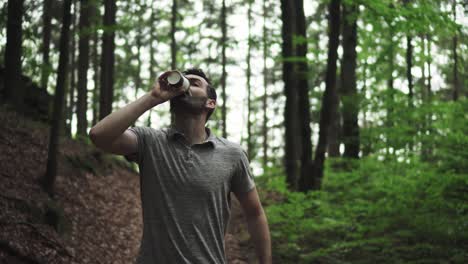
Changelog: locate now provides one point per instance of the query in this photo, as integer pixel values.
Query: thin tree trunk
(46, 32)
(315, 178)
(349, 94)
(14, 88)
(456, 88)
(265, 94)
(152, 60)
(173, 43)
(107, 59)
(48, 180)
(291, 121)
(249, 88)
(96, 72)
(223, 63)
(83, 64)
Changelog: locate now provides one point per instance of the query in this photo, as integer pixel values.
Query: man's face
(198, 102)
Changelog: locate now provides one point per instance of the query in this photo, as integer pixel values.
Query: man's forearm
(113, 125)
(260, 234)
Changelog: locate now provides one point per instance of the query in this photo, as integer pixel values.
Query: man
(186, 176)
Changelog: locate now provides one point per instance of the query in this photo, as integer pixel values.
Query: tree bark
(249, 88)
(173, 43)
(291, 120)
(456, 88)
(83, 64)
(265, 89)
(223, 63)
(14, 88)
(95, 58)
(349, 96)
(107, 59)
(315, 179)
(46, 32)
(303, 95)
(48, 180)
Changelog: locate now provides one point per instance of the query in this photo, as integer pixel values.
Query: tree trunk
(173, 31)
(303, 96)
(95, 65)
(349, 96)
(83, 64)
(456, 88)
(107, 59)
(46, 32)
(49, 178)
(315, 179)
(14, 88)
(249, 88)
(265, 94)
(152, 60)
(173, 43)
(291, 120)
(334, 132)
(223, 63)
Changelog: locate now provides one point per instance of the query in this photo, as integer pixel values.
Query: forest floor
(95, 216)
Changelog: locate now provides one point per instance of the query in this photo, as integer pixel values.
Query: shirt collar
(173, 133)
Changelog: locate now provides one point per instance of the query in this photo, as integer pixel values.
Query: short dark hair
(210, 91)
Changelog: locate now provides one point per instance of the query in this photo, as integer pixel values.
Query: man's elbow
(95, 138)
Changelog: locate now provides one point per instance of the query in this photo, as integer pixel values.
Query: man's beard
(186, 104)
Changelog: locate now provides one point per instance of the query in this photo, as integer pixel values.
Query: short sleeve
(142, 134)
(243, 180)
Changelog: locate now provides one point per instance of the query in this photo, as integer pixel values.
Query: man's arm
(257, 224)
(111, 134)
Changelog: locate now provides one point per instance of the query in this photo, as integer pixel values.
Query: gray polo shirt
(185, 195)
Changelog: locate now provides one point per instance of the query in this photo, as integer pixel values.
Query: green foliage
(379, 212)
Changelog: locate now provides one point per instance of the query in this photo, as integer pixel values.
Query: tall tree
(223, 65)
(409, 62)
(95, 59)
(265, 88)
(249, 88)
(456, 85)
(349, 96)
(173, 32)
(315, 179)
(83, 64)
(46, 32)
(173, 42)
(14, 89)
(291, 120)
(106, 95)
(303, 92)
(152, 71)
(48, 180)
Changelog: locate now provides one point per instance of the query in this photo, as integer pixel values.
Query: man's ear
(210, 103)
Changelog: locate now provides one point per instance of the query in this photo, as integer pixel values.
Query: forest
(353, 115)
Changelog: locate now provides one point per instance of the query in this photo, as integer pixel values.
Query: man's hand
(162, 91)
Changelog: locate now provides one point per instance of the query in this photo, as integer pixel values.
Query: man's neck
(192, 126)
